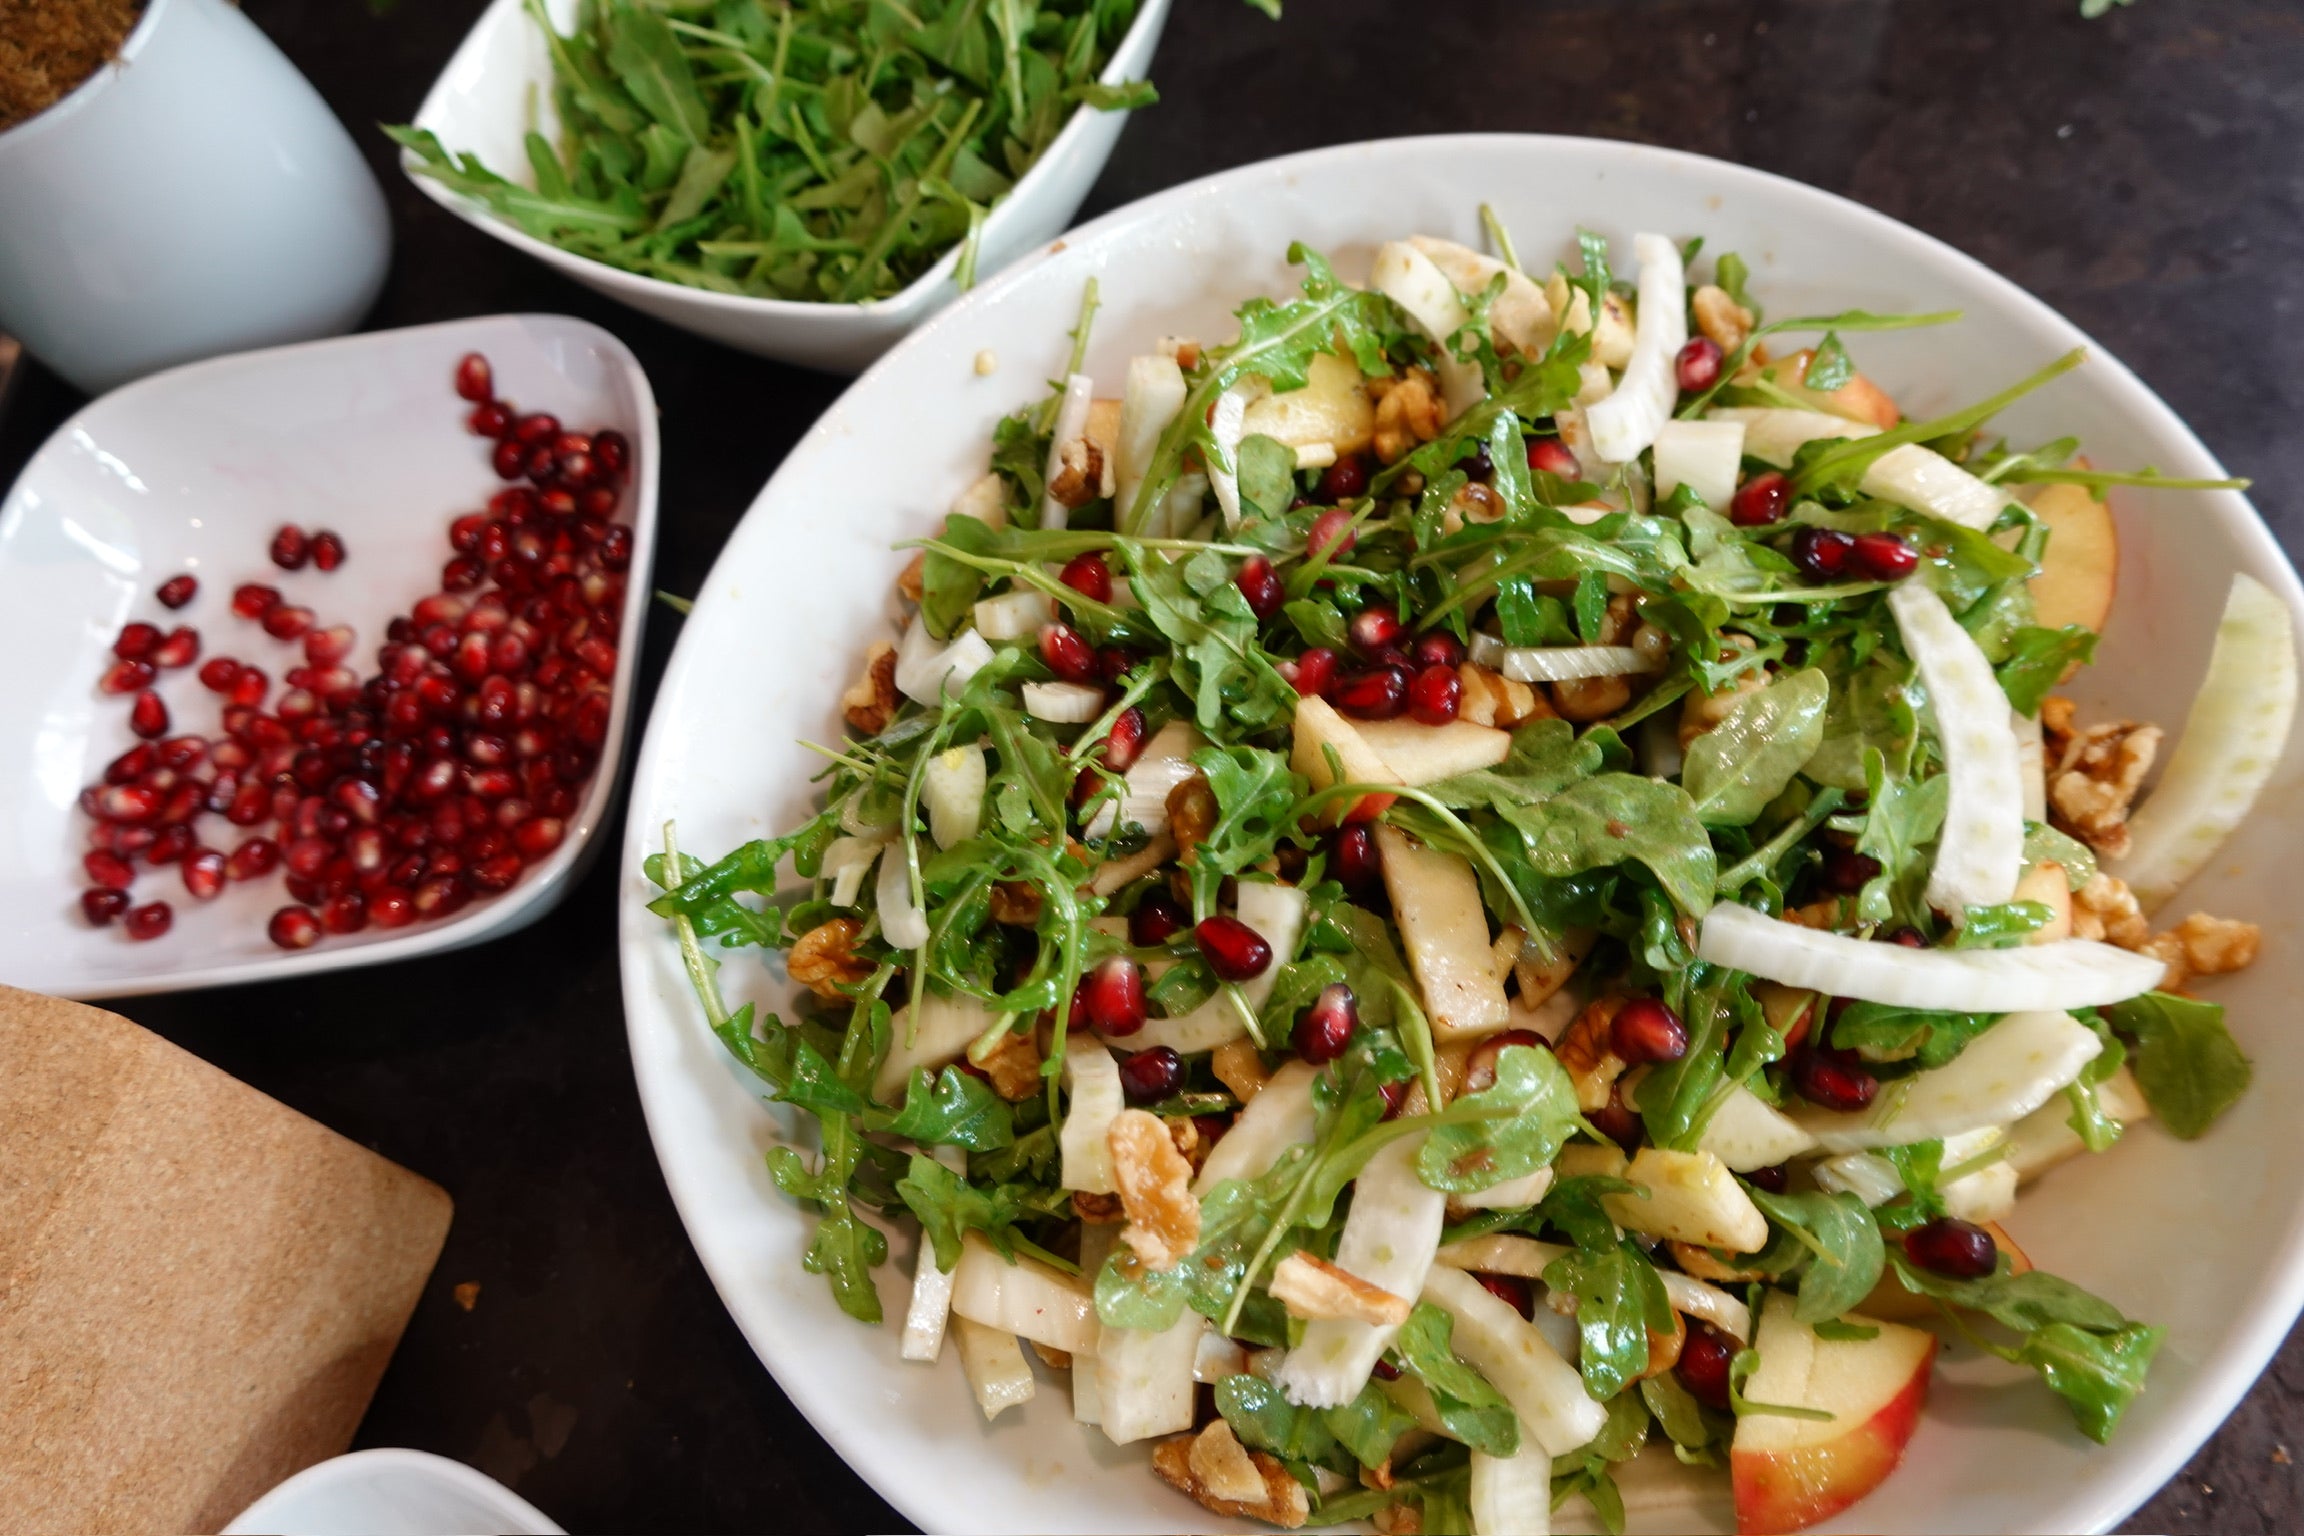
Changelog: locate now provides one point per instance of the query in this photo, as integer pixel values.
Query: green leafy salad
(1491, 869)
(824, 150)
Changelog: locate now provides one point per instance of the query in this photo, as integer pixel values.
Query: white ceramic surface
(193, 470)
(194, 197)
(2206, 1237)
(391, 1493)
(499, 85)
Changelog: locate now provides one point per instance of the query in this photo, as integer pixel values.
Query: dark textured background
(2140, 173)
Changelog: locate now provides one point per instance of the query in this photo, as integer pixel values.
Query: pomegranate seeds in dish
(395, 792)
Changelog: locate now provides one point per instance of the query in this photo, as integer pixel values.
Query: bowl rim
(321, 1478)
(532, 897)
(915, 295)
(2123, 1482)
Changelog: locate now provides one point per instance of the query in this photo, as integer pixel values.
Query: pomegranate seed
(1883, 556)
(490, 419)
(1345, 480)
(294, 928)
(613, 450)
(132, 804)
(1374, 628)
(1844, 871)
(1088, 575)
(1377, 694)
(1332, 534)
(573, 469)
(1698, 365)
(1234, 951)
(327, 550)
(1834, 1079)
(1112, 996)
(1354, 860)
(1551, 455)
(326, 647)
(132, 764)
(344, 913)
(1260, 584)
(1147, 1077)
(1619, 1124)
(1313, 674)
(100, 906)
(127, 676)
(172, 844)
(1385, 1370)
(1775, 1179)
(180, 649)
(497, 872)
(1821, 552)
(135, 641)
(1324, 1031)
(107, 869)
(1120, 749)
(360, 800)
(204, 873)
(176, 591)
(1158, 918)
(1513, 1290)
(1066, 654)
(536, 430)
(616, 548)
(1395, 1098)
(391, 907)
(536, 837)
(253, 600)
(182, 752)
(148, 716)
(220, 674)
(510, 460)
(1435, 694)
(148, 921)
(1646, 1031)
(1703, 1367)
(290, 548)
(287, 622)
(1480, 1066)
(1437, 648)
(249, 689)
(1949, 1246)
(442, 895)
(1761, 500)
(475, 380)
(1910, 938)
(256, 857)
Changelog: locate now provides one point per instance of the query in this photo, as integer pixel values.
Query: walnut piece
(1155, 1185)
(1719, 317)
(2204, 946)
(1587, 1052)
(1701, 711)
(910, 580)
(1016, 903)
(1080, 473)
(2105, 910)
(825, 959)
(1591, 698)
(1192, 815)
(1239, 1067)
(1014, 1067)
(1312, 1287)
(2094, 774)
(1664, 1348)
(1220, 1464)
(1098, 1210)
(1280, 1500)
(870, 703)
(1398, 1519)
(1408, 413)
(1491, 698)
(1696, 1260)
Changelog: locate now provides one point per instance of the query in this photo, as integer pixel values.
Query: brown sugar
(48, 47)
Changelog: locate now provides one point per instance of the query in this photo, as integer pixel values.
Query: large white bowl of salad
(1556, 836)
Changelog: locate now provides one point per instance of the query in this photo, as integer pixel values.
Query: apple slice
(1745, 1132)
(1859, 399)
(1444, 927)
(1425, 754)
(1788, 1473)
(2080, 568)
(1691, 1196)
(1318, 726)
(1332, 410)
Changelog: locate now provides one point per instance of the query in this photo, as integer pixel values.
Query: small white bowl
(193, 470)
(499, 86)
(391, 1493)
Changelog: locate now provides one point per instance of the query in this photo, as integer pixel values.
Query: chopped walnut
(1155, 1189)
(2105, 910)
(2094, 774)
(1720, 318)
(1539, 980)
(1312, 1287)
(1013, 1067)
(1098, 1210)
(1587, 1052)
(1279, 1499)
(2204, 946)
(1619, 619)
(1696, 1261)
(1398, 1519)
(1221, 1466)
(909, 580)
(1192, 815)
(1080, 473)
(1016, 903)
(1185, 1133)
(825, 959)
(1239, 1067)
(1050, 1356)
(1824, 915)
(1408, 413)
(1701, 711)
(1491, 698)
(1664, 1348)
(1474, 502)
(1591, 698)
(1613, 332)
(870, 703)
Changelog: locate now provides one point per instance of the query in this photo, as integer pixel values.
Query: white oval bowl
(499, 85)
(390, 1492)
(2206, 1237)
(193, 470)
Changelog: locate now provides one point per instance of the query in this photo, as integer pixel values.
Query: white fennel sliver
(1627, 421)
(1980, 852)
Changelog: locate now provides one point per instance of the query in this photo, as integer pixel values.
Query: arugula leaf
(2038, 659)
(1474, 1411)
(2097, 1374)
(958, 1110)
(1505, 1131)
(949, 1206)
(1370, 1425)
(1264, 1420)
(1683, 1420)
(1888, 1032)
(2186, 1062)
(1735, 769)
(1255, 792)
(1618, 818)
(1830, 367)
(1845, 1248)
(1546, 757)
(2046, 845)
(1901, 817)
(1620, 1301)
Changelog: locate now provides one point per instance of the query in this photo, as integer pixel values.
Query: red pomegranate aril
(613, 449)
(595, 504)
(107, 869)
(148, 716)
(1312, 674)
(176, 591)
(172, 844)
(1120, 749)
(1552, 456)
(538, 428)
(180, 649)
(1354, 860)
(1761, 500)
(1698, 365)
(441, 894)
(489, 419)
(294, 928)
(1437, 648)
(496, 872)
(287, 622)
(1395, 1098)
(132, 764)
(250, 803)
(1112, 996)
(327, 550)
(182, 752)
(1158, 918)
(464, 533)
(1147, 1077)
(101, 905)
(249, 688)
(1774, 1179)
(148, 921)
(1883, 556)
(253, 859)
(475, 380)
(1512, 1290)
(1844, 871)
(360, 800)
(391, 907)
(1480, 1066)
(1067, 655)
(1948, 1246)
(253, 600)
(1822, 553)
(536, 837)
(1331, 535)
(1233, 950)
(510, 458)
(204, 873)
(344, 913)
(1378, 694)
(1088, 575)
(616, 548)
(1261, 586)
(291, 548)
(1374, 628)
(1345, 480)
(135, 641)
(1645, 1030)
(1703, 1366)
(1435, 695)
(326, 647)
(218, 675)
(1324, 1030)
(1833, 1079)
(127, 676)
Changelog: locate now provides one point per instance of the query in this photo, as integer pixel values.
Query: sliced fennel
(1980, 853)
(994, 1364)
(1627, 421)
(1702, 455)
(923, 667)
(1566, 663)
(952, 790)
(1071, 425)
(2233, 739)
(1495, 1340)
(1512, 1495)
(1407, 277)
(1145, 1380)
(1926, 481)
(931, 1305)
(2070, 973)
(901, 920)
(927, 1032)
(1279, 1117)
(1150, 397)
(1775, 435)
(2005, 1073)
(1165, 763)
(1389, 1238)
(1227, 424)
(1746, 1133)
(1014, 615)
(1024, 1297)
(1063, 703)
(1094, 1097)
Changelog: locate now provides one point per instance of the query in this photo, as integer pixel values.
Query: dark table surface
(2139, 172)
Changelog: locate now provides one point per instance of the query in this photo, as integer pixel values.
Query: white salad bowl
(390, 1492)
(2206, 1237)
(499, 86)
(192, 470)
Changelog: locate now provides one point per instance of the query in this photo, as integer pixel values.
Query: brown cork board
(199, 1287)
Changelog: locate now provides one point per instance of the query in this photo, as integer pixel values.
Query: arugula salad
(1487, 875)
